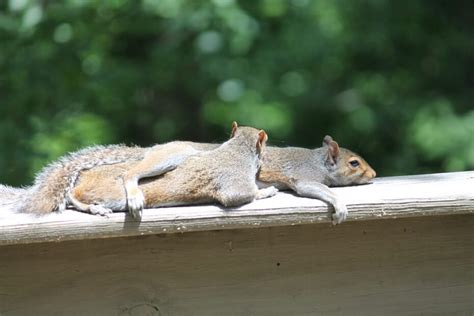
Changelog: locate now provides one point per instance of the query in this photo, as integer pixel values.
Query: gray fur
(10, 196)
(51, 185)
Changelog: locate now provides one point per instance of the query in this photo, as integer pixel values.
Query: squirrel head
(249, 135)
(345, 167)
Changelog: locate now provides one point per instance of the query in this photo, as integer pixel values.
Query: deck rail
(390, 197)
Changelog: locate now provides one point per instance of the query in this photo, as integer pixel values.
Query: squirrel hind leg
(88, 208)
(266, 192)
(154, 164)
(235, 196)
(72, 201)
(100, 210)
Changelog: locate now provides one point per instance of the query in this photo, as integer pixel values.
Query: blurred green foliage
(392, 80)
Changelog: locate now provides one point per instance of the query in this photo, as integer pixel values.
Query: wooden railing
(392, 197)
(407, 247)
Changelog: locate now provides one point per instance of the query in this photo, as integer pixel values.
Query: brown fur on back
(199, 179)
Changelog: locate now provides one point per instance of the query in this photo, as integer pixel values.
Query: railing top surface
(390, 197)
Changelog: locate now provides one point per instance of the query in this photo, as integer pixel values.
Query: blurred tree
(391, 80)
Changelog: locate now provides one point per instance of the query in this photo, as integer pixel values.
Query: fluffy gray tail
(11, 198)
(52, 184)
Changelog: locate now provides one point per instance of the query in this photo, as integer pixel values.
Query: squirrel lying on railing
(305, 171)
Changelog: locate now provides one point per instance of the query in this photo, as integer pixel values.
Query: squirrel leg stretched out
(157, 160)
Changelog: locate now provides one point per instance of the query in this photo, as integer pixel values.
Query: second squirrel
(226, 175)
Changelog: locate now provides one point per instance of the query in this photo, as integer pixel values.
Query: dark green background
(392, 80)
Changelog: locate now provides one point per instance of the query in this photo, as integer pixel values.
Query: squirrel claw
(100, 210)
(266, 193)
(136, 203)
(340, 214)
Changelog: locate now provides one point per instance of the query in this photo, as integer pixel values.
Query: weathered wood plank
(410, 266)
(393, 197)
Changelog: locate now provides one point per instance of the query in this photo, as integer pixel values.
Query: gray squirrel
(308, 172)
(226, 174)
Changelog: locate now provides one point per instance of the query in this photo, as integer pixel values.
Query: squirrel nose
(373, 174)
(370, 173)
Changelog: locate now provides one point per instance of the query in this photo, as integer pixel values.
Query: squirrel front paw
(135, 201)
(266, 193)
(340, 213)
(100, 210)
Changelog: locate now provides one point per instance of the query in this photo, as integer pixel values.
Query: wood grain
(386, 198)
(410, 266)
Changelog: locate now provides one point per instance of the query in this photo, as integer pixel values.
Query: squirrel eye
(354, 163)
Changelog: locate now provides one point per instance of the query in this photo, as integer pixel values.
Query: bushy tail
(11, 198)
(52, 184)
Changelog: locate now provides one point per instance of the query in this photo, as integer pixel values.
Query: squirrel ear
(333, 149)
(327, 140)
(234, 128)
(262, 139)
